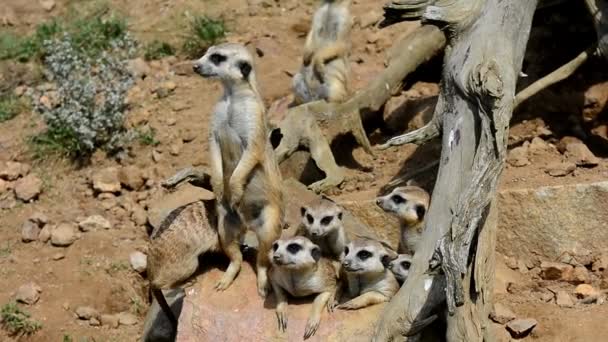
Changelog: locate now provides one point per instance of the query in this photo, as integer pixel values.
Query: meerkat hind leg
(267, 234)
(229, 240)
(281, 306)
(322, 155)
(364, 300)
(315, 314)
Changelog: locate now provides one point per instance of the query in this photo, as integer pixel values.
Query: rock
(600, 264)
(58, 256)
(94, 322)
(538, 145)
(63, 235)
(139, 261)
(185, 194)
(518, 156)
(583, 291)
(521, 327)
(165, 89)
(86, 313)
(138, 68)
(48, 5)
(511, 262)
(563, 299)
(28, 294)
(580, 275)
(8, 202)
(126, 318)
(546, 221)
(560, 169)
(28, 188)
(182, 69)
(94, 222)
(139, 216)
(45, 234)
(132, 177)
(20, 90)
(107, 180)
(157, 156)
(580, 154)
(501, 314)
(4, 186)
(176, 147)
(370, 18)
(29, 231)
(109, 321)
(39, 218)
(555, 271)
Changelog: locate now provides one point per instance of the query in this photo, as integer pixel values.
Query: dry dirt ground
(95, 271)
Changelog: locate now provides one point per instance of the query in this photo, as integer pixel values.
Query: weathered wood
(455, 263)
(599, 13)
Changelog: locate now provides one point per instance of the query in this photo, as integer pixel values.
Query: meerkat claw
(311, 328)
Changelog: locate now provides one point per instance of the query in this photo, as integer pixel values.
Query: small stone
(14, 170)
(94, 322)
(501, 314)
(4, 186)
(66, 306)
(171, 121)
(560, 169)
(188, 135)
(522, 267)
(58, 256)
(600, 264)
(107, 180)
(109, 321)
(45, 234)
(86, 313)
(165, 89)
(521, 327)
(39, 218)
(580, 275)
(139, 261)
(131, 177)
(94, 222)
(518, 156)
(538, 145)
(63, 235)
(138, 68)
(28, 294)
(511, 262)
(29, 231)
(555, 270)
(583, 291)
(48, 5)
(156, 156)
(563, 299)
(28, 188)
(20, 90)
(8, 202)
(580, 154)
(125, 318)
(139, 216)
(176, 147)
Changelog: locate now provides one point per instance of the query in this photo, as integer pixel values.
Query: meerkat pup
(244, 173)
(409, 204)
(322, 224)
(299, 269)
(370, 282)
(401, 267)
(325, 70)
(174, 248)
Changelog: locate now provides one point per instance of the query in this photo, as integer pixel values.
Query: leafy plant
(157, 50)
(148, 137)
(204, 32)
(16, 321)
(10, 106)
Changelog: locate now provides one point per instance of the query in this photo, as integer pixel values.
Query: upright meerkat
(401, 267)
(175, 246)
(409, 204)
(244, 173)
(370, 282)
(322, 224)
(325, 69)
(299, 269)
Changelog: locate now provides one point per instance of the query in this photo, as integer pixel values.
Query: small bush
(158, 50)
(25, 48)
(204, 32)
(147, 137)
(10, 106)
(18, 322)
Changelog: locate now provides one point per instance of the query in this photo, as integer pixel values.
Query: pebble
(94, 322)
(58, 256)
(28, 293)
(126, 318)
(28, 188)
(107, 180)
(563, 299)
(555, 271)
(14, 170)
(560, 169)
(132, 177)
(583, 291)
(518, 156)
(86, 313)
(139, 261)
(109, 321)
(45, 234)
(94, 222)
(501, 314)
(600, 264)
(521, 327)
(139, 216)
(39, 218)
(48, 5)
(29, 231)
(63, 235)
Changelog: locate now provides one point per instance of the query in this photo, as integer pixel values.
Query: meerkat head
(408, 203)
(294, 253)
(229, 62)
(365, 256)
(321, 217)
(401, 266)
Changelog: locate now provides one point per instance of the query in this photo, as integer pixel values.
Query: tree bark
(455, 264)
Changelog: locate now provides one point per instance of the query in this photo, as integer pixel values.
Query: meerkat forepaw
(282, 320)
(223, 283)
(263, 288)
(311, 327)
(347, 306)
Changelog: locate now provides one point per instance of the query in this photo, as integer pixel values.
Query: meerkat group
(319, 260)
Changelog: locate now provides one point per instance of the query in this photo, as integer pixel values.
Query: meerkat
(401, 267)
(175, 246)
(325, 69)
(244, 173)
(409, 204)
(322, 224)
(299, 269)
(370, 282)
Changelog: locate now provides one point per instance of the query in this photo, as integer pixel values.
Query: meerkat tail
(162, 302)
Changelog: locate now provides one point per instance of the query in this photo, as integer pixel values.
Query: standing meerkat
(244, 173)
(370, 281)
(409, 204)
(322, 224)
(401, 267)
(299, 269)
(175, 246)
(325, 69)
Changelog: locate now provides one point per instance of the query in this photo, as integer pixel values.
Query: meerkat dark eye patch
(340, 216)
(310, 219)
(294, 248)
(364, 255)
(346, 250)
(326, 220)
(217, 58)
(405, 264)
(386, 260)
(420, 211)
(397, 199)
(245, 68)
(316, 253)
(275, 246)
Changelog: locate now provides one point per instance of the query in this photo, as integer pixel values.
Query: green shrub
(204, 32)
(10, 106)
(157, 50)
(18, 322)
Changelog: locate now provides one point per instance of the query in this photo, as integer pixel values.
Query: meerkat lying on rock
(244, 173)
(322, 224)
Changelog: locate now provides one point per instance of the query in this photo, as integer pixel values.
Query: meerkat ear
(316, 253)
(245, 68)
(340, 215)
(420, 211)
(303, 211)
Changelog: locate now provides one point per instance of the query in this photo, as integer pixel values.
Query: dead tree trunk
(486, 45)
